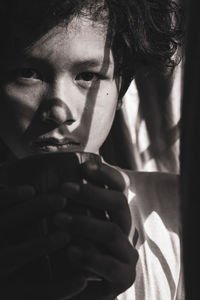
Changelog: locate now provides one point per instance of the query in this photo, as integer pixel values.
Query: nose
(56, 111)
(58, 106)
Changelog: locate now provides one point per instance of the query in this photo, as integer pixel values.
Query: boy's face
(60, 94)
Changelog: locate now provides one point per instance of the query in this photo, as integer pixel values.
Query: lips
(51, 144)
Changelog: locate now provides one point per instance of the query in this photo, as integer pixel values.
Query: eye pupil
(27, 73)
(87, 79)
(87, 76)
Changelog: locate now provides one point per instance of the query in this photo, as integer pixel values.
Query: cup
(46, 173)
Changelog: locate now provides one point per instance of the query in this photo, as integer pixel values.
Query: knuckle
(127, 224)
(121, 203)
(87, 191)
(124, 201)
(131, 278)
(91, 167)
(134, 256)
(123, 279)
(132, 270)
(113, 233)
(52, 202)
(112, 271)
(128, 279)
(100, 167)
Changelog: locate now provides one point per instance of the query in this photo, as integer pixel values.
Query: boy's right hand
(19, 208)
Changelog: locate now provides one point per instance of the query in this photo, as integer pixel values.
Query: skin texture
(63, 87)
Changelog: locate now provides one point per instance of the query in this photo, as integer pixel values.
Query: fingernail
(62, 219)
(71, 189)
(92, 166)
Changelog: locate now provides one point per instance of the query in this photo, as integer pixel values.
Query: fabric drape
(145, 135)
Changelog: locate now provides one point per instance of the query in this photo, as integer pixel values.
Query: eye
(24, 76)
(87, 76)
(86, 79)
(27, 73)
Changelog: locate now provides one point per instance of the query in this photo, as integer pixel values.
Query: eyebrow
(104, 63)
(99, 62)
(91, 62)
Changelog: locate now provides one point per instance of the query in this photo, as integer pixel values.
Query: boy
(65, 67)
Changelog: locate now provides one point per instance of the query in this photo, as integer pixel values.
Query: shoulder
(159, 186)
(154, 183)
(154, 193)
(156, 189)
(154, 203)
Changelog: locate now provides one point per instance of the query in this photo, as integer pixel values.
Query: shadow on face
(60, 93)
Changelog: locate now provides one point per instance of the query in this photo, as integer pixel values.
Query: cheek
(109, 103)
(107, 97)
(19, 95)
(17, 107)
(104, 113)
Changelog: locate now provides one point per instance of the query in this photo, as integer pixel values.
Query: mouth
(55, 145)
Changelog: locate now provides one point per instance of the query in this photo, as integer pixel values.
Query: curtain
(145, 135)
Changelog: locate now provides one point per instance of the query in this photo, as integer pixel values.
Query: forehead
(78, 30)
(81, 40)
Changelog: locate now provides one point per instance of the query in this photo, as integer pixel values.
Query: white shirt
(154, 204)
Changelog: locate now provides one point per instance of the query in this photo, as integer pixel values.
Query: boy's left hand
(106, 251)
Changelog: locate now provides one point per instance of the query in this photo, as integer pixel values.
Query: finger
(113, 202)
(13, 258)
(27, 212)
(118, 274)
(107, 234)
(97, 291)
(15, 194)
(86, 246)
(65, 289)
(102, 174)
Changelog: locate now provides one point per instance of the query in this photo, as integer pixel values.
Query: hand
(106, 251)
(21, 208)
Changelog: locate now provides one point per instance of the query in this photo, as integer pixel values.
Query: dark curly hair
(141, 31)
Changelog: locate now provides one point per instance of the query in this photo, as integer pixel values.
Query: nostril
(69, 122)
(54, 111)
(55, 114)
